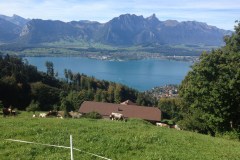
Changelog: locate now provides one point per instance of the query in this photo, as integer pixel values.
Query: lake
(139, 74)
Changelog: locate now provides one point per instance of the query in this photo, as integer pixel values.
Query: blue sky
(220, 13)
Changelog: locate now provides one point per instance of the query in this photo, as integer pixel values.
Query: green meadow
(134, 139)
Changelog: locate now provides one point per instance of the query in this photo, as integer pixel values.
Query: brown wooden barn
(151, 114)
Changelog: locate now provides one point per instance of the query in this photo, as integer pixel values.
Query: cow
(8, 112)
(61, 114)
(60, 117)
(75, 114)
(176, 127)
(52, 114)
(162, 124)
(58, 114)
(116, 116)
(42, 115)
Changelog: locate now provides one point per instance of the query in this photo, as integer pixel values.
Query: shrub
(1, 105)
(33, 106)
(167, 121)
(93, 115)
(138, 121)
(230, 135)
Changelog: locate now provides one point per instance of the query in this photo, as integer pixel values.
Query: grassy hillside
(134, 139)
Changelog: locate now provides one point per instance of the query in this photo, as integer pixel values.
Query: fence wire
(50, 145)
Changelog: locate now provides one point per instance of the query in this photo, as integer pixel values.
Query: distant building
(151, 114)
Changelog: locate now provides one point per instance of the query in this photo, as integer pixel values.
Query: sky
(220, 13)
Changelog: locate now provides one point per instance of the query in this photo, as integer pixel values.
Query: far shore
(115, 57)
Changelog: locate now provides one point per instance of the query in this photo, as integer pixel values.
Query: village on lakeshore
(166, 91)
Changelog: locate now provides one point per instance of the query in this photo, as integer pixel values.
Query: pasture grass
(130, 140)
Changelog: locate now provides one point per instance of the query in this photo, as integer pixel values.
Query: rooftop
(128, 111)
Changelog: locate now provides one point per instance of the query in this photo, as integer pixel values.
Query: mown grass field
(130, 140)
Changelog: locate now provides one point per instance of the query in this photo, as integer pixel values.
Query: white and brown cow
(8, 112)
(116, 116)
(42, 115)
(162, 124)
(75, 114)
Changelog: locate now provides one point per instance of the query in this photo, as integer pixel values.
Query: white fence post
(71, 147)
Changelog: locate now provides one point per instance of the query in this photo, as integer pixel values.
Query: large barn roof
(128, 111)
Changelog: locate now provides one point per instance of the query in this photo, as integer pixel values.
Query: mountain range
(125, 30)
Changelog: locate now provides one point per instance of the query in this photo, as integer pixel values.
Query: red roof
(128, 111)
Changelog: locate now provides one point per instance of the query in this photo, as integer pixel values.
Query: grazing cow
(75, 114)
(60, 114)
(8, 112)
(176, 127)
(116, 116)
(52, 113)
(162, 125)
(42, 115)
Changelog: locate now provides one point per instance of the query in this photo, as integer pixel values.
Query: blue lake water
(140, 74)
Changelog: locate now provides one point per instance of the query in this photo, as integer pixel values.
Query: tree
(46, 95)
(98, 96)
(140, 99)
(66, 107)
(212, 89)
(118, 94)
(1, 105)
(14, 93)
(66, 74)
(144, 99)
(33, 106)
(170, 108)
(50, 68)
(74, 99)
(104, 96)
(110, 93)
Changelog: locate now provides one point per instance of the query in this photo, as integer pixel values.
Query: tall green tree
(50, 68)
(118, 94)
(33, 107)
(211, 90)
(170, 107)
(110, 92)
(46, 95)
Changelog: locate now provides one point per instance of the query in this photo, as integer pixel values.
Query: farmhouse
(150, 114)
